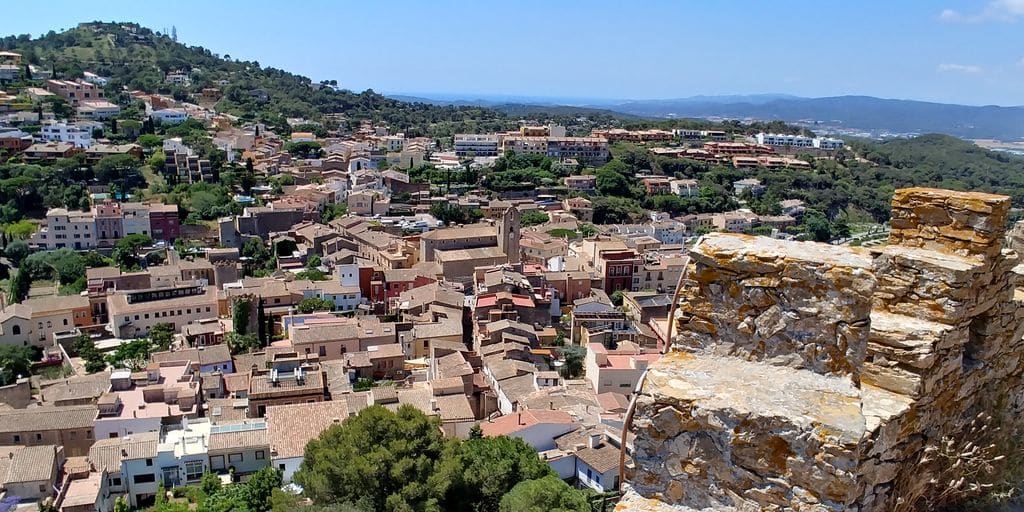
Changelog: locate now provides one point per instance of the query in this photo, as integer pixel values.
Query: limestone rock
(801, 381)
(961, 223)
(797, 304)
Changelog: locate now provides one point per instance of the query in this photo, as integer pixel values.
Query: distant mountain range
(842, 113)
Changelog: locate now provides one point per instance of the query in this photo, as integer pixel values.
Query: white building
(178, 79)
(798, 141)
(169, 115)
(477, 145)
(72, 229)
(98, 110)
(94, 79)
(685, 187)
(175, 145)
(394, 143)
(828, 144)
(136, 219)
(80, 136)
(538, 428)
(616, 371)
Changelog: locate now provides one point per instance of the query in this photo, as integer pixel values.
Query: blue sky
(960, 51)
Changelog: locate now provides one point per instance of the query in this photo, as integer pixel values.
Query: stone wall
(813, 377)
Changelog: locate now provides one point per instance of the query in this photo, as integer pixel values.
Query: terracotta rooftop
(290, 427)
(522, 420)
(32, 464)
(48, 418)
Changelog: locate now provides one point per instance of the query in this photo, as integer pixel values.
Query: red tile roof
(522, 420)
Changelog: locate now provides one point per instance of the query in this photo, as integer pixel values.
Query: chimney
(593, 440)
(433, 405)
(520, 418)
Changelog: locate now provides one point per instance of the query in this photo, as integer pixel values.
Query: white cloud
(967, 69)
(995, 10)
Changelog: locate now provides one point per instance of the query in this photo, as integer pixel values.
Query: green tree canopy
(162, 335)
(532, 218)
(126, 251)
(548, 494)
(311, 304)
(574, 356)
(395, 460)
(491, 467)
(15, 360)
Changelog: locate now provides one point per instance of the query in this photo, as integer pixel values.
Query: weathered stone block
(906, 352)
(775, 436)
(969, 224)
(931, 285)
(798, 304)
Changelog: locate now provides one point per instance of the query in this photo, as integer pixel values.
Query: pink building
(109, 223)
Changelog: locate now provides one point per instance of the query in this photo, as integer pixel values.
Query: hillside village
(237, 286)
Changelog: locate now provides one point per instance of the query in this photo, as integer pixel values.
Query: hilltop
(139, 58)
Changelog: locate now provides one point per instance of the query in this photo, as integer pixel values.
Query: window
(193, 470)
(88, 434)
(589, 475)
(42, 487)
(260, 455)
(65, 321)
(115, 481)
(144, 479)
(149, 462)
(16, 330)
(39, 437)
(17, 438)
(234, 457)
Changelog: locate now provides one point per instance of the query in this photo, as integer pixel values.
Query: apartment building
(467, 144)
(134, 312)
(656, 185)
(685, 187)
(169, 115)
(188, 168)
(65, 228)
(98, 109)
(591, 150)
(618, 134)
(799, 141)
(74, 92)
(49, 151)
(80, 136)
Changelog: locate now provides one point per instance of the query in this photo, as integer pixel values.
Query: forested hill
(942, 161)
(139, 58)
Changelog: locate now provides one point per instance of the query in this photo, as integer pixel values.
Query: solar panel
(238, 427)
